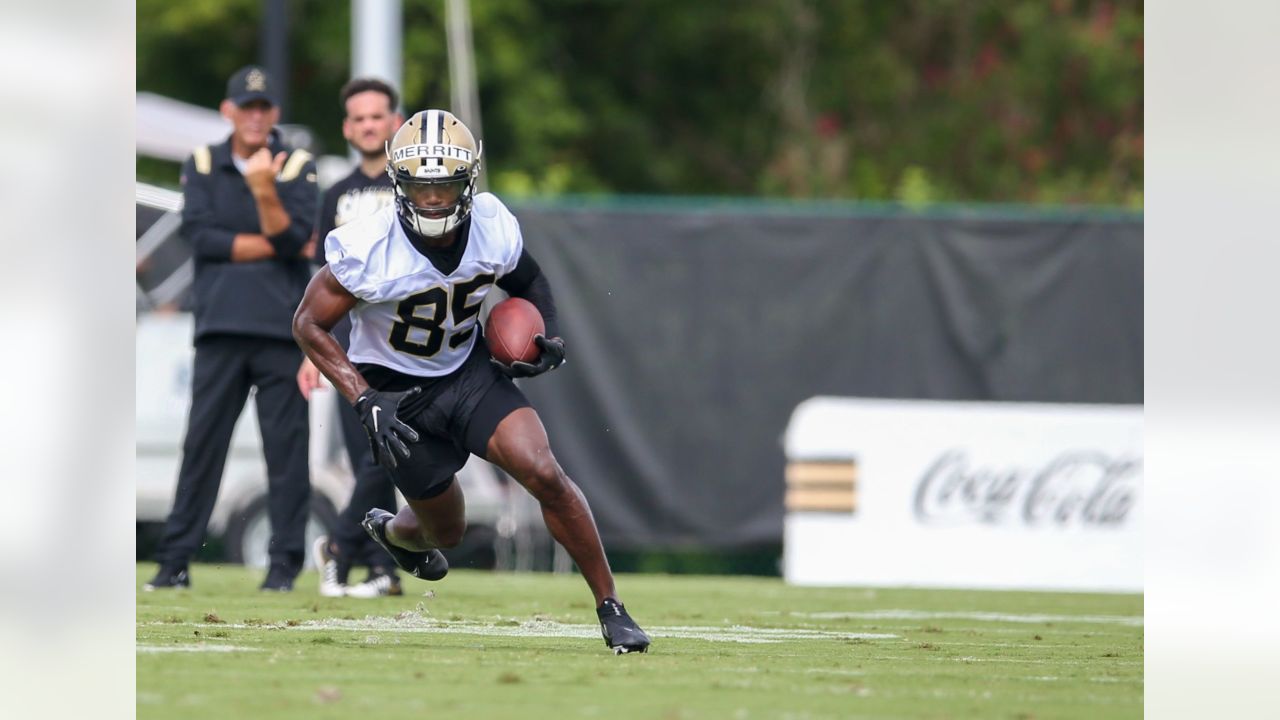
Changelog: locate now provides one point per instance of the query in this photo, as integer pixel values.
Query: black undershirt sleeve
(528, 282)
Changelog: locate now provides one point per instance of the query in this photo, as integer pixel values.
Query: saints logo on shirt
(355, 204)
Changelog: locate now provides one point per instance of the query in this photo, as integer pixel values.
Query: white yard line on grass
(1028, 661)
(417, 623)
(550, 628)
(197, 647)
(1131, 620)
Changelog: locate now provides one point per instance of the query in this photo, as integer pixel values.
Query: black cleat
(279, 579)
(427, 565)
(169, 577)
(621, 633)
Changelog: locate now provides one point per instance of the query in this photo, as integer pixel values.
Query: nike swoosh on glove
(552, 357)
(388, 435)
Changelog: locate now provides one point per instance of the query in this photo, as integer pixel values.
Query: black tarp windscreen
(693, 335)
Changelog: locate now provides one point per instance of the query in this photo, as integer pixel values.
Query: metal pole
(273, 44)
(377, 39)
(464, 96)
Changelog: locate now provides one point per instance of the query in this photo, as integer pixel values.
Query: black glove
(387, 433)
(552, 357)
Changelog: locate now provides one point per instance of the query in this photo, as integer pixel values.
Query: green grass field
(501, 645)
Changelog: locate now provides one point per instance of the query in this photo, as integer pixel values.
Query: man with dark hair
(249, 205)
(371, 120)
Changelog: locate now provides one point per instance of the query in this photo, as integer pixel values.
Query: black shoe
(279, 579)
(621, 633)
(427, 565)
(169, 577)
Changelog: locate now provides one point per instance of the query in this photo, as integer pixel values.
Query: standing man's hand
(260, 172)
(261, 169)
(308, 378)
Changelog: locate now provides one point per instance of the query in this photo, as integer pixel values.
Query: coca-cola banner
(969, 494)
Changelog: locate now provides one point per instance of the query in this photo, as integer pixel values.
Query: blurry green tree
(917, 101)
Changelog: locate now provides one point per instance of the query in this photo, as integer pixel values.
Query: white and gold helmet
(433, 161)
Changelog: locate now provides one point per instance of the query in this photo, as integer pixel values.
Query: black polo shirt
(245, 298)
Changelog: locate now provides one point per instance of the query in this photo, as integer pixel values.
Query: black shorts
(455, 415)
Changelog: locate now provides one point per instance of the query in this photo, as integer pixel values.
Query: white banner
(964, 494)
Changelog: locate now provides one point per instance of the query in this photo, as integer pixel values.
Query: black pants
(226, 366)
(374, 488)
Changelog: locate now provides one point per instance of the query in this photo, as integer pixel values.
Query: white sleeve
(492, 210)
(349, 268)
(516, 245)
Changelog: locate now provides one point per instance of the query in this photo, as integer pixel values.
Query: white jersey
(409, 316)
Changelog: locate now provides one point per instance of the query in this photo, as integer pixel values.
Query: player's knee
(546, 481)
(450, 537)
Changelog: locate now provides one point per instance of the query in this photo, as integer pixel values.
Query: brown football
(510, 330)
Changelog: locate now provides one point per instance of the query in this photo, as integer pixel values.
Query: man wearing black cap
(249, 207)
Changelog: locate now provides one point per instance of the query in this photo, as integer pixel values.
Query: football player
(413, 277)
